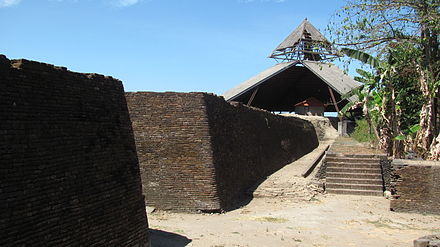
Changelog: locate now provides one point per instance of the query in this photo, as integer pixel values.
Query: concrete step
(352, 165)
(354, 186)
(342, 180)
(354, 170)
(352, 160)
(353, 175)
(354, 192)
(368, 156)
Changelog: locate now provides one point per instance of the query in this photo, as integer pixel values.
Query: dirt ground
(288, 210)
(330, 220)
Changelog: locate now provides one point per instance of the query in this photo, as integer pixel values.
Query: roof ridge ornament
(304, 43)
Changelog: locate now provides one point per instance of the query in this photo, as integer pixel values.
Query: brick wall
(385, 164)
(249, 144)
(198, 152)
(69, 174)
(415, 186)
(174, 151)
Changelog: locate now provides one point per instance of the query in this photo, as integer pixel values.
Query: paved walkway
(347, 145)
(288, 182)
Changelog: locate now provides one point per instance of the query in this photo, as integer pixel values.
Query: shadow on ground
(165, 239)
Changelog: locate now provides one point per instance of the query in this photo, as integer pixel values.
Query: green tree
(378, 98)
(405, 34)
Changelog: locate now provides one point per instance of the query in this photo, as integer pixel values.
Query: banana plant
(367, 97)
(377, 97)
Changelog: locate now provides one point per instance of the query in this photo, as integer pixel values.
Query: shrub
(362, 132)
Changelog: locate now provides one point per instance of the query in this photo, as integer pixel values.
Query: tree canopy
(374, 24)
(403, 37)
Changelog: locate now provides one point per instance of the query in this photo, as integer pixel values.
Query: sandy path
(288, 213)
(288, 182)
(333, 220)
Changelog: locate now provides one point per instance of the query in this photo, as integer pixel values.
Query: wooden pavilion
(301, 73)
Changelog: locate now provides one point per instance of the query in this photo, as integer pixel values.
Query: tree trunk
(424, 136)
(434, 153)
(398, 146)
(368, 118)
(425, 142)
(387, 112)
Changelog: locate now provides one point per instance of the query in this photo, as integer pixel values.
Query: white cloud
(126, 3)
(7, 3)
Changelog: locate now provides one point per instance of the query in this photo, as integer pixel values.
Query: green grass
(266, 219)
(362, 133)
(274, 220)
(387, 223)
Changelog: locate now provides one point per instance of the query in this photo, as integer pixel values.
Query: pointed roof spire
(304, 43)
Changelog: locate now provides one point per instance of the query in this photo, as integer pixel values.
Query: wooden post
(253, 96)
(334, 102)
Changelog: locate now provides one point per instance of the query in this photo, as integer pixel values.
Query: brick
(415, 186)
(69, 172)
(198, 152)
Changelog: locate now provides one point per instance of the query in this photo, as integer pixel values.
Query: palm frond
(362, 56)
(354, 91)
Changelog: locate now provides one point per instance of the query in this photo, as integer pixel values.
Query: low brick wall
(385, 164)
(198, 152)
(415, 186)
(69, 172)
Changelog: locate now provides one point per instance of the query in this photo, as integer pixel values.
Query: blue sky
(157, 45)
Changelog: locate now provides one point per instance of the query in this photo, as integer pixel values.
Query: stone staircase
(353, 174)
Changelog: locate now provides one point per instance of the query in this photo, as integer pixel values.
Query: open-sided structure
(311, 107)
(301, 75)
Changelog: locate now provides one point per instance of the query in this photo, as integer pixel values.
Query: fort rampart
(69, 172)
(198, 152)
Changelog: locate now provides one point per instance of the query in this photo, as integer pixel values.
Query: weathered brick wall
(385, 164)
(174, 151)
(69, 174)
(250, 144)
(415, 186)
(198, 152)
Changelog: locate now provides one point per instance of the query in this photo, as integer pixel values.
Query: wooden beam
(334, 101)
(253, 96)
(308, 51)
